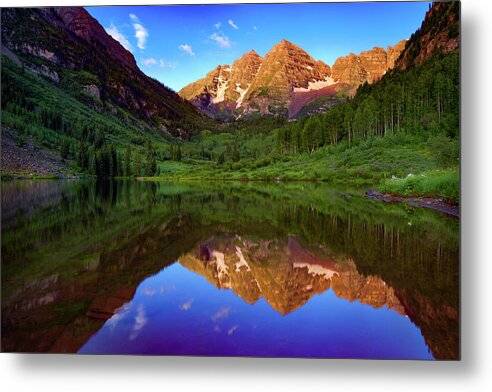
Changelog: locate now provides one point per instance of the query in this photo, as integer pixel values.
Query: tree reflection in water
(74, 252)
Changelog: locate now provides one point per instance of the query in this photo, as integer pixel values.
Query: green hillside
(64, 119)
(406, 124)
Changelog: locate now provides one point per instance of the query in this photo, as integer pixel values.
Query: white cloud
(113, 31)
(255, 28)
(217, 25)
(232, 330)
(140, 322)
(118, 316)
(223, 312)
(187, 305)
(149, 291)
(149, 61)
(221, 40)
(141, 33)
(232, 24)
(187, 49)
(167, 64)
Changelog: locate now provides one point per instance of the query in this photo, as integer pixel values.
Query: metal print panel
(266, 180)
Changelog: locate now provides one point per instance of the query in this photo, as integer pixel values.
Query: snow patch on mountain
(222, 83)
(242, 93)
(221, 89)
(316, 85)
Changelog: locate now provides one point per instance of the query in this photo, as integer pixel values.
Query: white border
(39, 373)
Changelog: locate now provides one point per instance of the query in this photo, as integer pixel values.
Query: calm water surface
(298, 270)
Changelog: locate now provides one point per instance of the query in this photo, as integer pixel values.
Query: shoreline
(436, 204)
(433, 203)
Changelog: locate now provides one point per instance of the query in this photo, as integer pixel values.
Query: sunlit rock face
(394, 52)
(286, 67)
(253, 84)
(243, 73)
(207, 93)
(223, 89)
(368, 66)
(285, 80)
(349, 69)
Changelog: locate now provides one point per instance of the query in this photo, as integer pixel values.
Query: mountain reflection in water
(258, 270)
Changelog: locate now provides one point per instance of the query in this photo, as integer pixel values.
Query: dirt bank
(424, 202)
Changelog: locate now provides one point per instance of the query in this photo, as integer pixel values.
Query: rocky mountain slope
(26, 158)
(286, 80)
(368, 66)
(59, 42)
(289, 79)
(286, 69)
(439, 33)
(224, 87)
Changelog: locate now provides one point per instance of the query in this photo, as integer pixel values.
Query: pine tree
(236, 156)
(178, 153)
(114, 172)
(82, 156)
(128, 162)
(221, 158)
(65, 149)
(150, 160)
(138, 166)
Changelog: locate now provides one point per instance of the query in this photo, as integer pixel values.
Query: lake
(225, 269)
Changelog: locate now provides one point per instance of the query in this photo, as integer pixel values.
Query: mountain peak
(285, 44)
(251, 55)
(82, 24)
(252, 52)
(224, 88)
(367, 66)
(284, 41)
(284, 78)
(286, 69)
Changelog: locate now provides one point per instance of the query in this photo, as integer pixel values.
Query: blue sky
(180, 44)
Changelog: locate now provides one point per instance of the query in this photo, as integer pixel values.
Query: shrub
(446, 150)
(435, 183)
